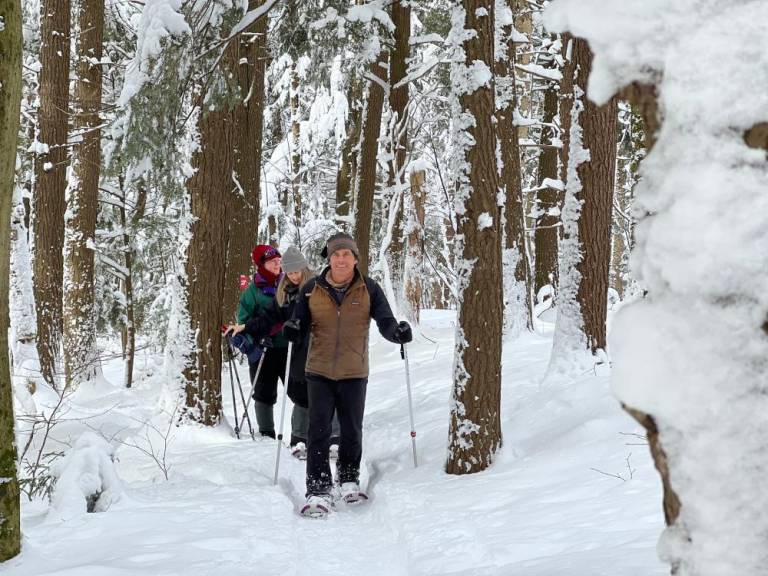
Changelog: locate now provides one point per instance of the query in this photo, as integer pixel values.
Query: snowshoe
(299, 451)
(317, 506)
(352, 494)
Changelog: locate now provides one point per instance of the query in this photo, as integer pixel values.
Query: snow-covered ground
(549, 506)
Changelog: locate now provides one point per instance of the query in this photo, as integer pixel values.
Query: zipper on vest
(338, 340)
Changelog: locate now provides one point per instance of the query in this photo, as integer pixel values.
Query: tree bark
(10, 111)
(398, 103)
(249, 66)
(210, 190)
(295, 149)
(365, 180)
(475, 423)
(523, 21)
(129, 332)
(548, 200)
(587, 207)
(517, 274)
(414, 269)
(597, 177)
(345, 177)
(50, 173)
(81, 361)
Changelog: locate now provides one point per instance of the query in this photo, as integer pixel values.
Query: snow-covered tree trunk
(365, 181)
(345, 177)
(295, 146)
(22, 312)
(518, 311)
(475, 420)
(548, 198)
(10, 106)
(248, 65)
(580, 330)
(400, 13)
(630, 152)
(689, 359)
(81, 361)
(414, 262)
(48, 200)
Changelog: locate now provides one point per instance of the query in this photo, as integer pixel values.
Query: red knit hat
(264, 253)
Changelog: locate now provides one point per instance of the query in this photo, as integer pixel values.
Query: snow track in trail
(540, 510)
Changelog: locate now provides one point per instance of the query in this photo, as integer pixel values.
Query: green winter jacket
(254, 302)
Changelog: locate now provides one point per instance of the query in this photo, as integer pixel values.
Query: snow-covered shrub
(86, 480)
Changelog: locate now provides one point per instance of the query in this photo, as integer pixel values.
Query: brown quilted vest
(338, 342)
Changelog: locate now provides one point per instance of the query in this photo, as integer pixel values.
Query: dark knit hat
(339, 241)
(293, 260)
(264, 253)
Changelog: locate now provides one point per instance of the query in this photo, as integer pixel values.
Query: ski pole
(240, 387)
(404, 356)
(232, 386)
(253, 386)
(282, 409)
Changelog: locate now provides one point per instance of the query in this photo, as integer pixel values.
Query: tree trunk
(475, 423)
(210, 190)
(10, 104)
(517, 272)
(81, 361)
(365, 181)
(597, 177)
(414, 264)
(345, 177)
(644, 98)
(129, 332)
(295, 149)
(23, 320)
(631, 149)
(50, 174)
(523, 22)
(587, 209)
(398, 139)
(548, 200)
(243, 221)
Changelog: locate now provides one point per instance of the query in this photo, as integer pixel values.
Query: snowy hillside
(549, 506)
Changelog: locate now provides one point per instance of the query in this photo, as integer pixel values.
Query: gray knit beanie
(293, 260)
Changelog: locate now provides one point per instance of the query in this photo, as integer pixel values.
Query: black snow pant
(347, 397)
(265, 388)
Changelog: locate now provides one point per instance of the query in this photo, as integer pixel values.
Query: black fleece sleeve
(380, 310)
(301, 311)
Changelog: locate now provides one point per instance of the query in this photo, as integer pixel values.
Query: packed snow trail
(573, 491)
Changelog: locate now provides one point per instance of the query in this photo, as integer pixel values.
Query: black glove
(403, 333)
(291, 331)
(266, 342)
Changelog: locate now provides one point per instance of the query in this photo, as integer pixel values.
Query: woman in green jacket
(255, 300)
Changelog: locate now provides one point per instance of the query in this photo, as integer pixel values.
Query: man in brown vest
(335, 309)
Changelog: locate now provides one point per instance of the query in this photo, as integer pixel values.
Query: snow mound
(86, 480)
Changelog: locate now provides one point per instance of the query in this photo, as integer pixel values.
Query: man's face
(343, 263)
